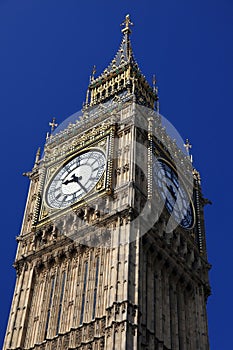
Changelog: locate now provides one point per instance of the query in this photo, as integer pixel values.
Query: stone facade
(88, 276)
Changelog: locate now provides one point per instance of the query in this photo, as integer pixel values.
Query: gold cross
(127, 22)
(53, 124)
(187, 145)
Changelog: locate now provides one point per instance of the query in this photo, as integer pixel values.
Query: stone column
(181, 318)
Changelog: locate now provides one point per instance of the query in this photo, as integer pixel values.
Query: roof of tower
(121, 75)
(125, 52)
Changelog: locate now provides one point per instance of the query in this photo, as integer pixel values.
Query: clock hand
(82, 187)
(74, 179)
(170, 189)
(77, 180)
(66, 182)
(177, 204)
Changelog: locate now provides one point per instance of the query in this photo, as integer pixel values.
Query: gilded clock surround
(98, 138)
(76, 179)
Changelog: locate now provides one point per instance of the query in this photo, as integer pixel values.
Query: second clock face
(174, 194)
(76, 179)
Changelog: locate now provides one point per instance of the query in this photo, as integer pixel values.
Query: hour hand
(74, 178)
(67, 182)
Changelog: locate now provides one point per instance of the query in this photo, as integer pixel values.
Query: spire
(126, 32)
(125, 52)
(122, 77)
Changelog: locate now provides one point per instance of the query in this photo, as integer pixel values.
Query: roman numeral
(58, 195)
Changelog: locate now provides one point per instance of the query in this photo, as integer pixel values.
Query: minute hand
(171, 190)
(77, 179)
(82, 187)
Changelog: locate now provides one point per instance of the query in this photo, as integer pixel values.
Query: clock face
(174, 194)
(76, 179)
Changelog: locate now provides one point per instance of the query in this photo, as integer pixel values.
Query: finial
(127, 23)
(188, 146)
(155, 91)
(53, 124)
(37, 160)
(93, 73)
(154, 83)
(197, 176)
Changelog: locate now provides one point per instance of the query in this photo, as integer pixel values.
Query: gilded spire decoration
(53, 125)
(92, 78)
(127, 23)
(122, 77)
(188, 146)
(155, 91)
(126, 32)
(93, 73)
(154, 83)
(37, 160)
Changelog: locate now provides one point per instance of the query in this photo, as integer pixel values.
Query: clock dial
(174, 194)
(76, 179)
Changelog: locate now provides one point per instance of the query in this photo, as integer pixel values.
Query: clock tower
(112, 252)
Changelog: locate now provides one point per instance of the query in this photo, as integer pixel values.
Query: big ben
(112, 251)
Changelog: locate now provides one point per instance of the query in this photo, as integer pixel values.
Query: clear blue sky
(47, 50)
